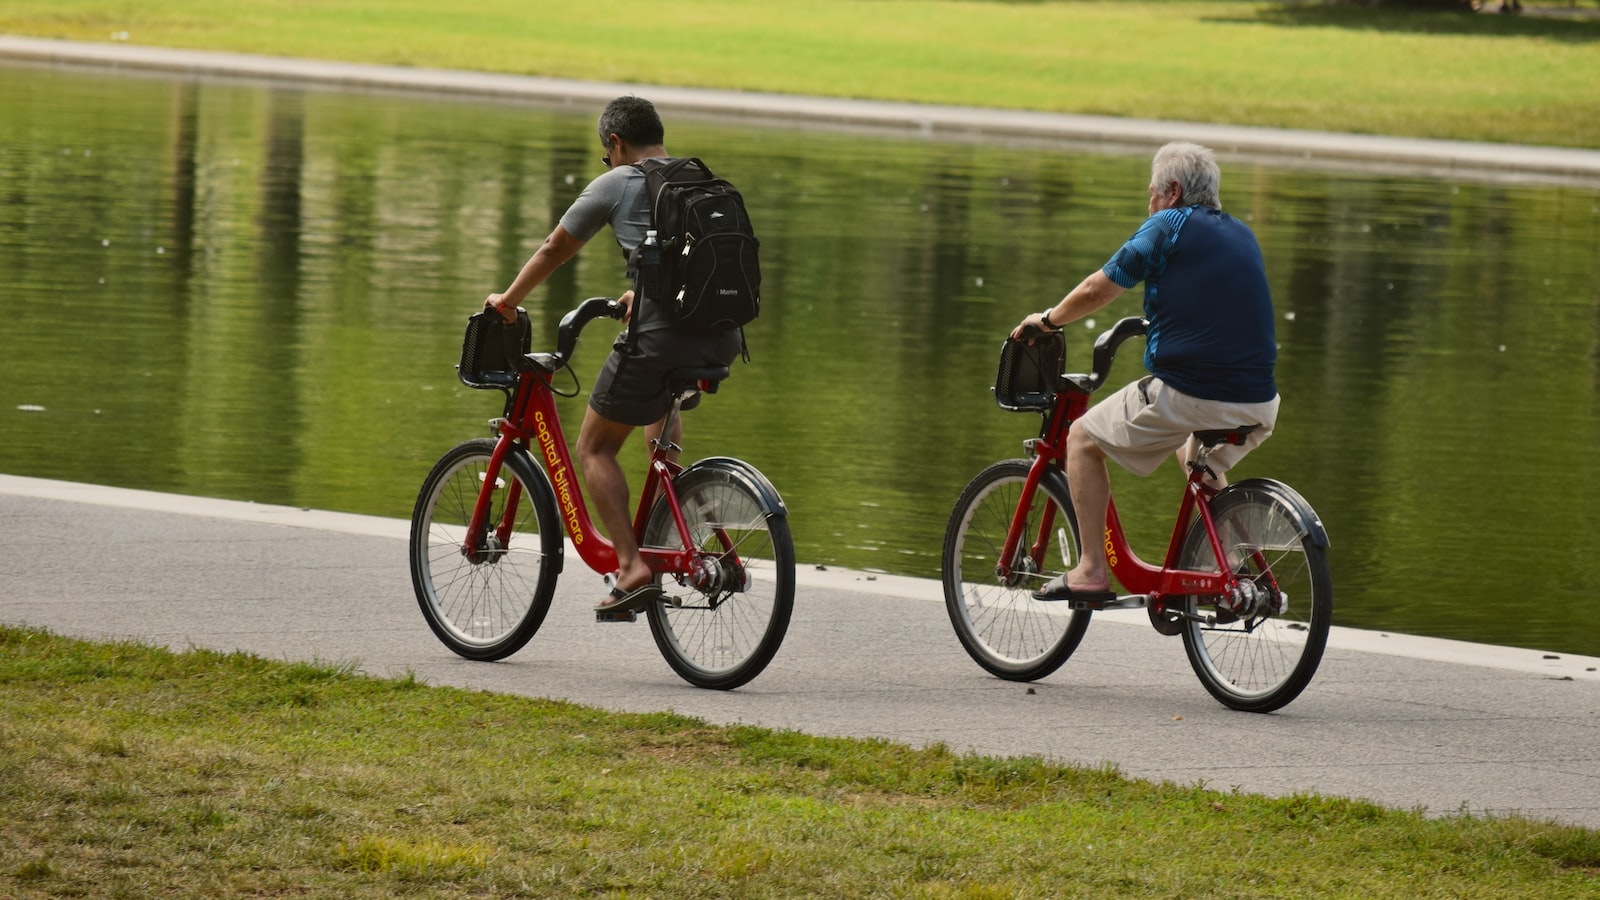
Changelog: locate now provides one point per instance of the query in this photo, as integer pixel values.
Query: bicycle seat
(696, 378)
(1215, 436)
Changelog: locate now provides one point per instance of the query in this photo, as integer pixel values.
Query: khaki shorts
(1147, 421)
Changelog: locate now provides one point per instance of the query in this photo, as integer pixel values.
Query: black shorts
(632, 387)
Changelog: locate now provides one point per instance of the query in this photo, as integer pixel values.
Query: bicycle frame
(532, 419)
(1141, 579)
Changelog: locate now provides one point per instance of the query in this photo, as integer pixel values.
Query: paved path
(1408, 722)
(1324, 149)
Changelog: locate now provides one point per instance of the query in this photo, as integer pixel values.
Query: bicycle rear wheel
(730, 616)
(1258, 659)
(484, 602)
(1005, 630)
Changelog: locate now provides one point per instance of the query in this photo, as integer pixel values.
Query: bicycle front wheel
(728, 616)
(484, 601)
(1261, 656)
(1005, 630)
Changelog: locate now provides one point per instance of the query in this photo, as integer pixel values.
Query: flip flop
(636, 599)
(1056, 589)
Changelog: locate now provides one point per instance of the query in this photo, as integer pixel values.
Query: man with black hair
(630, 391)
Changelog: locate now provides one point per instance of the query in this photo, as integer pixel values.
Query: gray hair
(1193, 168)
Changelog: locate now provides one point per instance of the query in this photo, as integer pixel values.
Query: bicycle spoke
(485, 604)
(1264, 658)
(733, 610)
(1002, 627)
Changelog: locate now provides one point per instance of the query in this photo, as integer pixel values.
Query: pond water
(257, 292)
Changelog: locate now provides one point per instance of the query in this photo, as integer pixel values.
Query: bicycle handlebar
(572, 323)
(1105, 352)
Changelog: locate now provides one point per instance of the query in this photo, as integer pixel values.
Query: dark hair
(634, 119)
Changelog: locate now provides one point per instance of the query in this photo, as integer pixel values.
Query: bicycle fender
(744, 473)
(1289, 498)
(1052, 476)
(538, 480)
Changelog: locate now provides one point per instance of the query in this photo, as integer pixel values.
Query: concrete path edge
(1473, 160)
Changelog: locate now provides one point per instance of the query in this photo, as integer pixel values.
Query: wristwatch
(1044, 319)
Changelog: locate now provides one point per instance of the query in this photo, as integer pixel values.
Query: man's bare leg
(1089, 483)
(606, 489)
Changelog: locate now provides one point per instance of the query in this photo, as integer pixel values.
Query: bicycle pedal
(1127, 601)
(616, 615)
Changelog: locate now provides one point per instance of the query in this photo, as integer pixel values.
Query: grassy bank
(1522, 79)
(131, 771)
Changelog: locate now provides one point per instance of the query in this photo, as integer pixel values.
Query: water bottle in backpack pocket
(646, 265)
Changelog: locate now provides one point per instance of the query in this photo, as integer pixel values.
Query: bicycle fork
(479, 546)
(1014, 569)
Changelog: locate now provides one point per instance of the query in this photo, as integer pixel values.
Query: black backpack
(703, 269)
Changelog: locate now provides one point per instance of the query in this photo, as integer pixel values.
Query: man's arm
(559, 247)
(1091, 294)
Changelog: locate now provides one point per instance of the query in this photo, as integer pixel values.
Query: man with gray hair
(1210, 349)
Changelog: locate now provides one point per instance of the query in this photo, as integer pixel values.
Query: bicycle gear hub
(1022, 573)
(1249, 599)
(714, 575)
(490, 551)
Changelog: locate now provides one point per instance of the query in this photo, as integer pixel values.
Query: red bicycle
(1245, 579)
(486, 533)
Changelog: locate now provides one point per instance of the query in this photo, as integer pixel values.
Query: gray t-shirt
(618, 199)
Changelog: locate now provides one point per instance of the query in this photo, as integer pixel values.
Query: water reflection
(255, 292)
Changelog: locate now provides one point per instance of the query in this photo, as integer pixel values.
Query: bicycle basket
(1028, 373)
(491, 353)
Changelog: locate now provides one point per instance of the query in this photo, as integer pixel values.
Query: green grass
(1525, 79)
(131, 771)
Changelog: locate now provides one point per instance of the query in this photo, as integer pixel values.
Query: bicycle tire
(722, 626)
(1006, 631)
(485, 605)
(1260, 662)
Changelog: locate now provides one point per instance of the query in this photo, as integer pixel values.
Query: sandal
(1056, 589)
(636, 599)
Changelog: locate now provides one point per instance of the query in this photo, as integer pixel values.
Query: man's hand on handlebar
(1030, 327)
(507, 311)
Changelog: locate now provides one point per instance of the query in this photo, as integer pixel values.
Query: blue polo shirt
(1206, 297)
